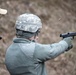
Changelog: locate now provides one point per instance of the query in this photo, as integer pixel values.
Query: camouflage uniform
(25, 57)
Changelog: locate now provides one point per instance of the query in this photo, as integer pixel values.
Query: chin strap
(33, 40)
(27, 35)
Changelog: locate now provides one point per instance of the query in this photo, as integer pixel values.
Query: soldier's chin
(36, 40)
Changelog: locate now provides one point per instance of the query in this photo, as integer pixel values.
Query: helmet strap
(26, 34)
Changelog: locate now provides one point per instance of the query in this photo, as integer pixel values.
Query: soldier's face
(36, 38)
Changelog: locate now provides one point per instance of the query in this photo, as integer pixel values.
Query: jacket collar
(21, 40)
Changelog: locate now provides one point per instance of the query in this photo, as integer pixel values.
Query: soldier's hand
(69, 42)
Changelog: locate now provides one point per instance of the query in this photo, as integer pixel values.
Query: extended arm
(46, 52)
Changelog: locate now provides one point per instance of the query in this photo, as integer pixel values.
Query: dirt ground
(58, 16)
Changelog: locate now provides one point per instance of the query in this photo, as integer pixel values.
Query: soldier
(25, 56)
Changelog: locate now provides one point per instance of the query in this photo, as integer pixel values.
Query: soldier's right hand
(68, 40)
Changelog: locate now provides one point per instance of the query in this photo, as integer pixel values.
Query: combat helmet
(28, 25)
(28, 22)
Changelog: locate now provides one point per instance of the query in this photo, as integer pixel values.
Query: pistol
(70, 34)
(0, 37)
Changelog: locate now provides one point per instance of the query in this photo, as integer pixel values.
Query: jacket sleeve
(45, 52)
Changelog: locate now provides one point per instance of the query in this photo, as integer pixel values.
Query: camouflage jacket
(24, 57)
